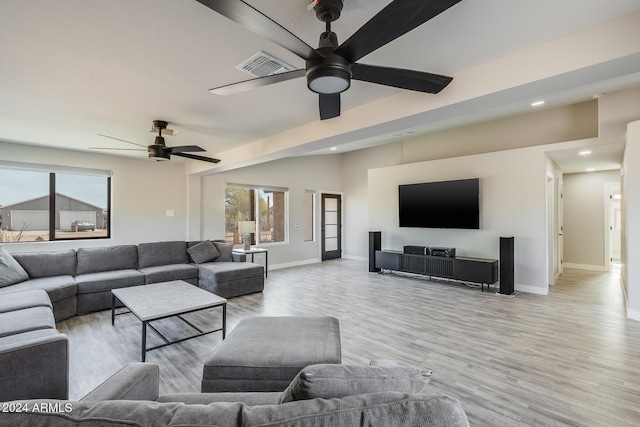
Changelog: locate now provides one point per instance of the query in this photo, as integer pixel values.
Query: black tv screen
(445, 204)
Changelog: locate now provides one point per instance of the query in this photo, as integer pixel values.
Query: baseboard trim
(633, 315)
(532, 289)
(355, 258)
(294, 264)
(584, 267)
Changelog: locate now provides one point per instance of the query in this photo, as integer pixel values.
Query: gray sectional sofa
(38, 289)
(320, 395)
(80, 281)
(34, 356)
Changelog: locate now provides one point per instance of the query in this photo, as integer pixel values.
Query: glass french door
(331, 226)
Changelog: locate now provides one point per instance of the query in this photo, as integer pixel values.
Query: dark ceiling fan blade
(398, 18)
(254, 20)
(184, 149)
(397, 77)
(121, 149)
(196, 157)
(329, 106)
(118, 139)
(256, 83)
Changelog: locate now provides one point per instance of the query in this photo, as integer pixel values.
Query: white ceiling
(73, 69)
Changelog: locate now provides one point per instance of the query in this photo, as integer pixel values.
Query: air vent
(262, 64)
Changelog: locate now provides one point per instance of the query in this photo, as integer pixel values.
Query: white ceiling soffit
(73, 70)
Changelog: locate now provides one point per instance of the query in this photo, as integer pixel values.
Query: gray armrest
(136, 381)
(238, 257)
(35, 368)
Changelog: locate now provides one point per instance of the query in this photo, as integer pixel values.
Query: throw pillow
(203, 252)
(225, 250)
(327, 381)
(11, 272)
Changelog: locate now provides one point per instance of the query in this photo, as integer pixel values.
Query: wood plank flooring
(567, 359)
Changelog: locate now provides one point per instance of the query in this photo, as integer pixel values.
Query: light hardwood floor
(569, 358)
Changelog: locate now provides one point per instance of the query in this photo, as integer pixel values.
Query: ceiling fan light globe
(329, 84)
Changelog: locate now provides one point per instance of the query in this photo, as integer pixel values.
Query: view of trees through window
(264, 206)
(38, 205)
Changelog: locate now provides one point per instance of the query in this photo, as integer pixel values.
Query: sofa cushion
(227, 271)
(58, 287)
(11, 272)
(107, 280)
(378, 409)
(203, 252)
(95, 260)
(326, 381)
(166, 273)
(48, 264)
(12, 301)
(26, 336)
(162, 253)
(225, 249)
(25, 320)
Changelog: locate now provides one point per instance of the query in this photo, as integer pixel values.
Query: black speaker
(506, 266)
(375, 244)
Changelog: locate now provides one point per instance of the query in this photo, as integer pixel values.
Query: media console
(463, 269)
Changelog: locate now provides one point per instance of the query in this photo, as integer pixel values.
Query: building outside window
(40, 203)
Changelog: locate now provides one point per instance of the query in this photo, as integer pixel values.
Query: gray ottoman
(231, 279)
(266, 353)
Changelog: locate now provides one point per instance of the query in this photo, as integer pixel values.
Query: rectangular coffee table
(167, 299)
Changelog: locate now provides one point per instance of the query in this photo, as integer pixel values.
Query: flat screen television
(444, 204)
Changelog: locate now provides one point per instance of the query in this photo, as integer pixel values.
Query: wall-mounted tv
(444, 204)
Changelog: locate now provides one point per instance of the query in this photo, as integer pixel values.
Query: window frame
(255, 215)
(53, 171)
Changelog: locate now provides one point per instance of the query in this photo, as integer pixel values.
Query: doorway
(331, 226)
(613, 224)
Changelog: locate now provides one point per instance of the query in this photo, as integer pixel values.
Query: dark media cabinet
(464, 269)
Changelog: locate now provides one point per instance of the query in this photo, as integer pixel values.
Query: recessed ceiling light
(333, 148)
(591, 170)
(584, 152)
(537, 103)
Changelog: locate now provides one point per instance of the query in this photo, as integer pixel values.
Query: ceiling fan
(331, 67)
(158, 150)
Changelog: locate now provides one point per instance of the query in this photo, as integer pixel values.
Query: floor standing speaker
(375, 244)
(506, 266)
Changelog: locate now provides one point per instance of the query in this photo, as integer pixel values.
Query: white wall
(355, 166)
(631, 220)
(142, 192)
(512, 203)
(584, 219)
(319, 173)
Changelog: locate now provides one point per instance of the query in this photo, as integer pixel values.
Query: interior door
(615, 231)
(331, 226)
(560, 229)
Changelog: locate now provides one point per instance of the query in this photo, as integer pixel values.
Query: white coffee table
(166, 299)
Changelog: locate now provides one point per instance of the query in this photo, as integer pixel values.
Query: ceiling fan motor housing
(328, 74)
(158, 151)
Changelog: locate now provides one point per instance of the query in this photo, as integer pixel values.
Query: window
(264, 205)
(41, 204)
(308, 211)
